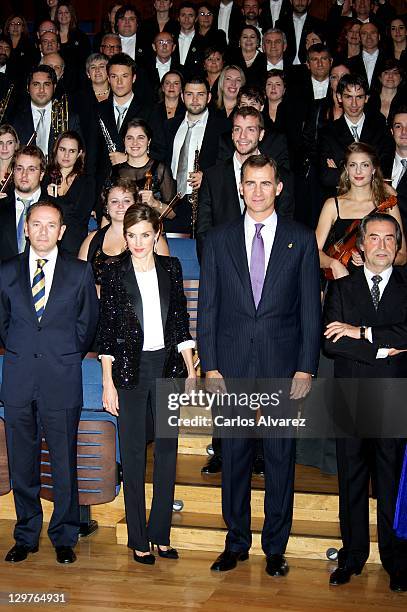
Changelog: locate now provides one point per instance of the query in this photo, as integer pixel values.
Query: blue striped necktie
(38, 288)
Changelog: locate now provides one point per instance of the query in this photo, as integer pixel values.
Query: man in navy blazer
(259, 317)
(48, 319)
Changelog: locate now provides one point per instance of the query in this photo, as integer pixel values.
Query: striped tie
(38, 288)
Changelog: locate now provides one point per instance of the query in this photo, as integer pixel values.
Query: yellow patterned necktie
(38, 288)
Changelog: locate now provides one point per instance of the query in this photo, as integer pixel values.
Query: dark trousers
(137, 412)
(354, 457)
(237, 461)
(24, 428)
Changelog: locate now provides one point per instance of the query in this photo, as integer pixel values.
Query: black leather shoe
(19, 552)
(228, 560)
(398, 581)
(145, 559)
(65, 554)
(170, 553)
(276, 565)
(342, 575)
(214, 465)
(258, 466)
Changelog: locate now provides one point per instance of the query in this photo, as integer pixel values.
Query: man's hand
(330, 163)
(117, 157)
(214, 382)
(301, 385)
(357, 258)
(336, 330)
(338, 269)
(195, 179)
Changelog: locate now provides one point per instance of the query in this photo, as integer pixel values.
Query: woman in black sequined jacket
(143, 336)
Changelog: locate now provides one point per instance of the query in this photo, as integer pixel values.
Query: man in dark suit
(28, 171)
(354, 125)
(48, 318)
(127, 21)
(273, 10)
(161, 61)
(399, 171)
(229, 20)
(296, 25)
(188, 53)
(259, 317)
(35, 113)
(369, 63)
(364, 313)
(365, 11)
(198, 131)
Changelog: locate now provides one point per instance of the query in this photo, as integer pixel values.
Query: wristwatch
(362, 332)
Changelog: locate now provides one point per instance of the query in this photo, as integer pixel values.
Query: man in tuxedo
(296, 26)
(161, 61)
(369, 62)
(35, 113)
(354, 125)
(229, 20)
(399, 171)
(28, 170)
(110, 45)
(48, 319)
(127, 22)
(198, 130)
(259, 317)
(188, 53)
(364, 313)
(274, 46)
(273, 10)
(365, 11)
(252, 15)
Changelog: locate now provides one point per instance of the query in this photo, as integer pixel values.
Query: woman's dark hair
(403, 19)
(393, 64)
(125, 184)
(160, 91)
(79, 165)
(253, 29)
(106, 26)
(209, 50)
(123, 10)
(136, 122)
(141, 212)
(73, 24)
(24, 32)
(274, 72)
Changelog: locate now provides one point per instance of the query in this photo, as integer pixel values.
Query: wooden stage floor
(106, 578)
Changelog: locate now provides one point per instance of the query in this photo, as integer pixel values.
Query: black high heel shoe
(170, 553)
(145, 559)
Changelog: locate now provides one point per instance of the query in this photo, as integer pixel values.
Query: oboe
(111, 147)
(194, 195)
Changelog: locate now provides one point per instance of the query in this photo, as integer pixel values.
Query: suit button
(37, 355)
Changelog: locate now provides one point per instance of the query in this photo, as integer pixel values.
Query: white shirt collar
(270, 221)
(202, 120)
(127, 39)
(123, 106)
(159, 63)
(359, 124)
(47, 107)
(370, 57)
(3, 68)
(301, 18)
(188, 35)
(52, 255)
(385, 277)
(34, 196)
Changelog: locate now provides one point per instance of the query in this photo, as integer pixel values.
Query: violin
(342, 249)
(148, 181)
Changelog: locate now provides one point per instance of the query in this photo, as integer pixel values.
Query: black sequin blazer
(121, 318)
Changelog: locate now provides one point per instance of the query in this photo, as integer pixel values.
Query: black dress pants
(137, 409)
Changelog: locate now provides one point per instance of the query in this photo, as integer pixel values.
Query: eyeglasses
(208, 14)
(110, 47)
(162, 43)
(16, 23)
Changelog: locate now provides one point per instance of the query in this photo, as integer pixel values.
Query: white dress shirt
(184, 43)
(382, 353)
(275, 8)
(278, 66)
(196, 142)
(162, 67)
(320, 88)
(48, 269)
(225, 11)
(397, 171)
(3, 68)
(369, 60)
(298, 28)
(36, 112)
(129, 45)
(358, 125)
(268, 233)
(124, 107)
(237, 167)
(34, 197)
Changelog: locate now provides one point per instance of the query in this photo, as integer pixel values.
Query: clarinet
(111, 147)
(194, 196)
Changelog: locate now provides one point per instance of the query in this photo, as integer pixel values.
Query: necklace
(103, 93)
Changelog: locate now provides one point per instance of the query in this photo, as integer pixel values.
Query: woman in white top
(144, 335)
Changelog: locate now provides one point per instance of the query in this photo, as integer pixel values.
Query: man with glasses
(110, 45)
(162, 60)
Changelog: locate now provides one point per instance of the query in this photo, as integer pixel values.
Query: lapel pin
(290, 245)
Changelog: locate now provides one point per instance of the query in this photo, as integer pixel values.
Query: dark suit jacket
(286, 24)
(153, 75)
(46, 355)
(121, 318)
(283, 335)
(22, 122)
(335, 137)
(267, 19)
(193, 60)
(349, 300)
(357, 65)
(235, 24)
(8, 225)
(402, 199)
